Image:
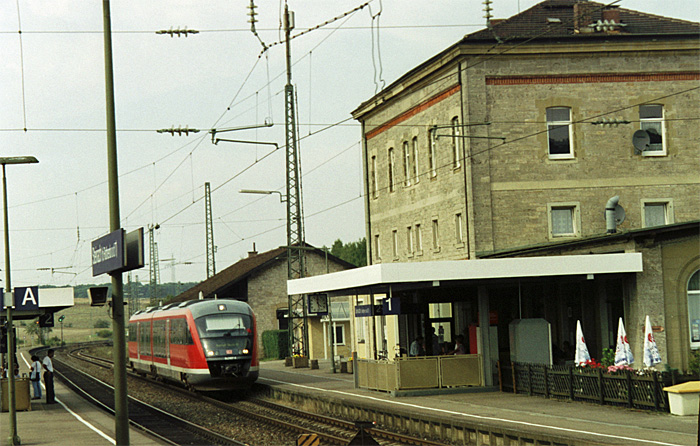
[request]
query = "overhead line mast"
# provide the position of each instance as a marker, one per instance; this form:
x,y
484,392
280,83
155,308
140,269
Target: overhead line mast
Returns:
x,y
298,326
211,263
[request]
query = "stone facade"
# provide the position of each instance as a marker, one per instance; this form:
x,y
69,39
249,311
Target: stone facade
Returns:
x,y
499,193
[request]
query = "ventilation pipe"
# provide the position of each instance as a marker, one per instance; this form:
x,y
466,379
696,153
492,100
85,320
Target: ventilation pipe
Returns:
x,y
610,214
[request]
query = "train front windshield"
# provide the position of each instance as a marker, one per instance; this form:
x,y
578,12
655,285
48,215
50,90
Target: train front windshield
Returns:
x,y
226,334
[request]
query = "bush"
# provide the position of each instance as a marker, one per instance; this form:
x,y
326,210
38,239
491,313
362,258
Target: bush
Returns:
x,y
694,363
275,344
608,358
104,334
101,323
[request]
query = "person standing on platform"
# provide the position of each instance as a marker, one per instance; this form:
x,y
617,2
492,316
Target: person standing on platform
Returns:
x,y
459,347
48,378
35,377
417,348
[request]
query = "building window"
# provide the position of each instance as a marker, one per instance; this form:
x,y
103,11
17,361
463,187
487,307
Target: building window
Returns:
x,y
651,119
395,243
694,309
375,186
377,248
656,213
456,143
559,132
436,234
564,220
432,144
338,334
459,232
416,178
392,185
419,239
409,240
406,164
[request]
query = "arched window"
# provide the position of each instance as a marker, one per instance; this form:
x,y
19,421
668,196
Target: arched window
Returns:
x,y
694,309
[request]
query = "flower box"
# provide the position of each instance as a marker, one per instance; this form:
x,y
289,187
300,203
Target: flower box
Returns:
x,y
299,362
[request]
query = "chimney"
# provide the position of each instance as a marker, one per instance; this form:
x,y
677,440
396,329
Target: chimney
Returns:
x,y
611,14
583,16
252,253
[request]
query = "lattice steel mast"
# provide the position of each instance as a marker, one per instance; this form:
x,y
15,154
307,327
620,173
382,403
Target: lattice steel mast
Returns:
x,y
154,270
298,332
211,263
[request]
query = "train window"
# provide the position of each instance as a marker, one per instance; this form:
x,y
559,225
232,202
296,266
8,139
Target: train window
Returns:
x,y
180,332
159,349
132,332
224,325
145,338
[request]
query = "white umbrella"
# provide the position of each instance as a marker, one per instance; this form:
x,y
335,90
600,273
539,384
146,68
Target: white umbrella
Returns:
x,y
581,350
623,352
651,352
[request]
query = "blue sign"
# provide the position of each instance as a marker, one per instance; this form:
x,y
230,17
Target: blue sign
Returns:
x,y
27,298
391,306
363,310
108,253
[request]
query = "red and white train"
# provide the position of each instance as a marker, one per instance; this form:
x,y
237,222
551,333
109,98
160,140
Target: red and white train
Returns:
x,y
203,344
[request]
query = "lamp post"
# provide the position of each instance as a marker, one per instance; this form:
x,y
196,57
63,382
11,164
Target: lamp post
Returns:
x,y
8,300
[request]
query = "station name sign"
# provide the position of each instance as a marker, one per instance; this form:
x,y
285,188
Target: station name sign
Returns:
x,y
108,253
117,252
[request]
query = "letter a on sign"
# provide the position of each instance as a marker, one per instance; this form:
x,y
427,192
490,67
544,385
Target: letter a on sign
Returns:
x,y
29,296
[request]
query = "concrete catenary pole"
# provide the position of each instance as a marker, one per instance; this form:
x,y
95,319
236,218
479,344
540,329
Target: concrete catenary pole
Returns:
x,y
121,418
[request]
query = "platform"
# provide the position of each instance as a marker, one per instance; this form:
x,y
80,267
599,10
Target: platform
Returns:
x,y
590,422
71,421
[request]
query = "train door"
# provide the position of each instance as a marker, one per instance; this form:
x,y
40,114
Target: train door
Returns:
x,y
167,341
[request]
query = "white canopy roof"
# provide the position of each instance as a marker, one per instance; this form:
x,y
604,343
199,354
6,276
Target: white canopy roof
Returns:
x,y
481,269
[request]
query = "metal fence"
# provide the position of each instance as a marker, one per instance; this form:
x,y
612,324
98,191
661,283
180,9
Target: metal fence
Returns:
x,y
622,388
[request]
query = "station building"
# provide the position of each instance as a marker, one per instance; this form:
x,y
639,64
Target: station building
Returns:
x,y
506,179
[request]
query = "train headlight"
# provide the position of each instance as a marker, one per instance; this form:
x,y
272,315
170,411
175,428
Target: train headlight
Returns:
x,y
210,353
245,351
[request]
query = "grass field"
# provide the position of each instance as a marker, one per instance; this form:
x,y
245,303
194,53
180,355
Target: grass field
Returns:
x,y
78,324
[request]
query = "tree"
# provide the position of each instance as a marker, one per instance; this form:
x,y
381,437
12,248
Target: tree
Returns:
x,y
353,252
33,329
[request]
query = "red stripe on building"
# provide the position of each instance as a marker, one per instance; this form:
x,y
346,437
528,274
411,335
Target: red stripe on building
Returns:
x,y
593,78
412,111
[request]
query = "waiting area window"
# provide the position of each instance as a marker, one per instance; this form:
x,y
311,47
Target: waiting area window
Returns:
x,y
559,133
651,119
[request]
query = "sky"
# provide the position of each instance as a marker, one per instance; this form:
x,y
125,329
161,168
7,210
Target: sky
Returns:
x,y
52,96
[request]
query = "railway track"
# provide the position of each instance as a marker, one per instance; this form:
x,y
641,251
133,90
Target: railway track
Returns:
x,y
330,431
163,425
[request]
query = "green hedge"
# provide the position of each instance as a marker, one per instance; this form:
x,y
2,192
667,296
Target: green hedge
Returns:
x,y
275,344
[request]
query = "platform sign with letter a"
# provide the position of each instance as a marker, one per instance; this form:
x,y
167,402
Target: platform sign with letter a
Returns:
x,y
27,298
308,440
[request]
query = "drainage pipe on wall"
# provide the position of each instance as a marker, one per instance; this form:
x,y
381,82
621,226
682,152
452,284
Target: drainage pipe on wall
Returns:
x,y
610,214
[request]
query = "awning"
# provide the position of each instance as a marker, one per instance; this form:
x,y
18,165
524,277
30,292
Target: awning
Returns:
x,y
460,270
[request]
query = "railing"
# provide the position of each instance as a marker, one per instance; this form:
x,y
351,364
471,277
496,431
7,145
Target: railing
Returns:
x,y
622,388
426,372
